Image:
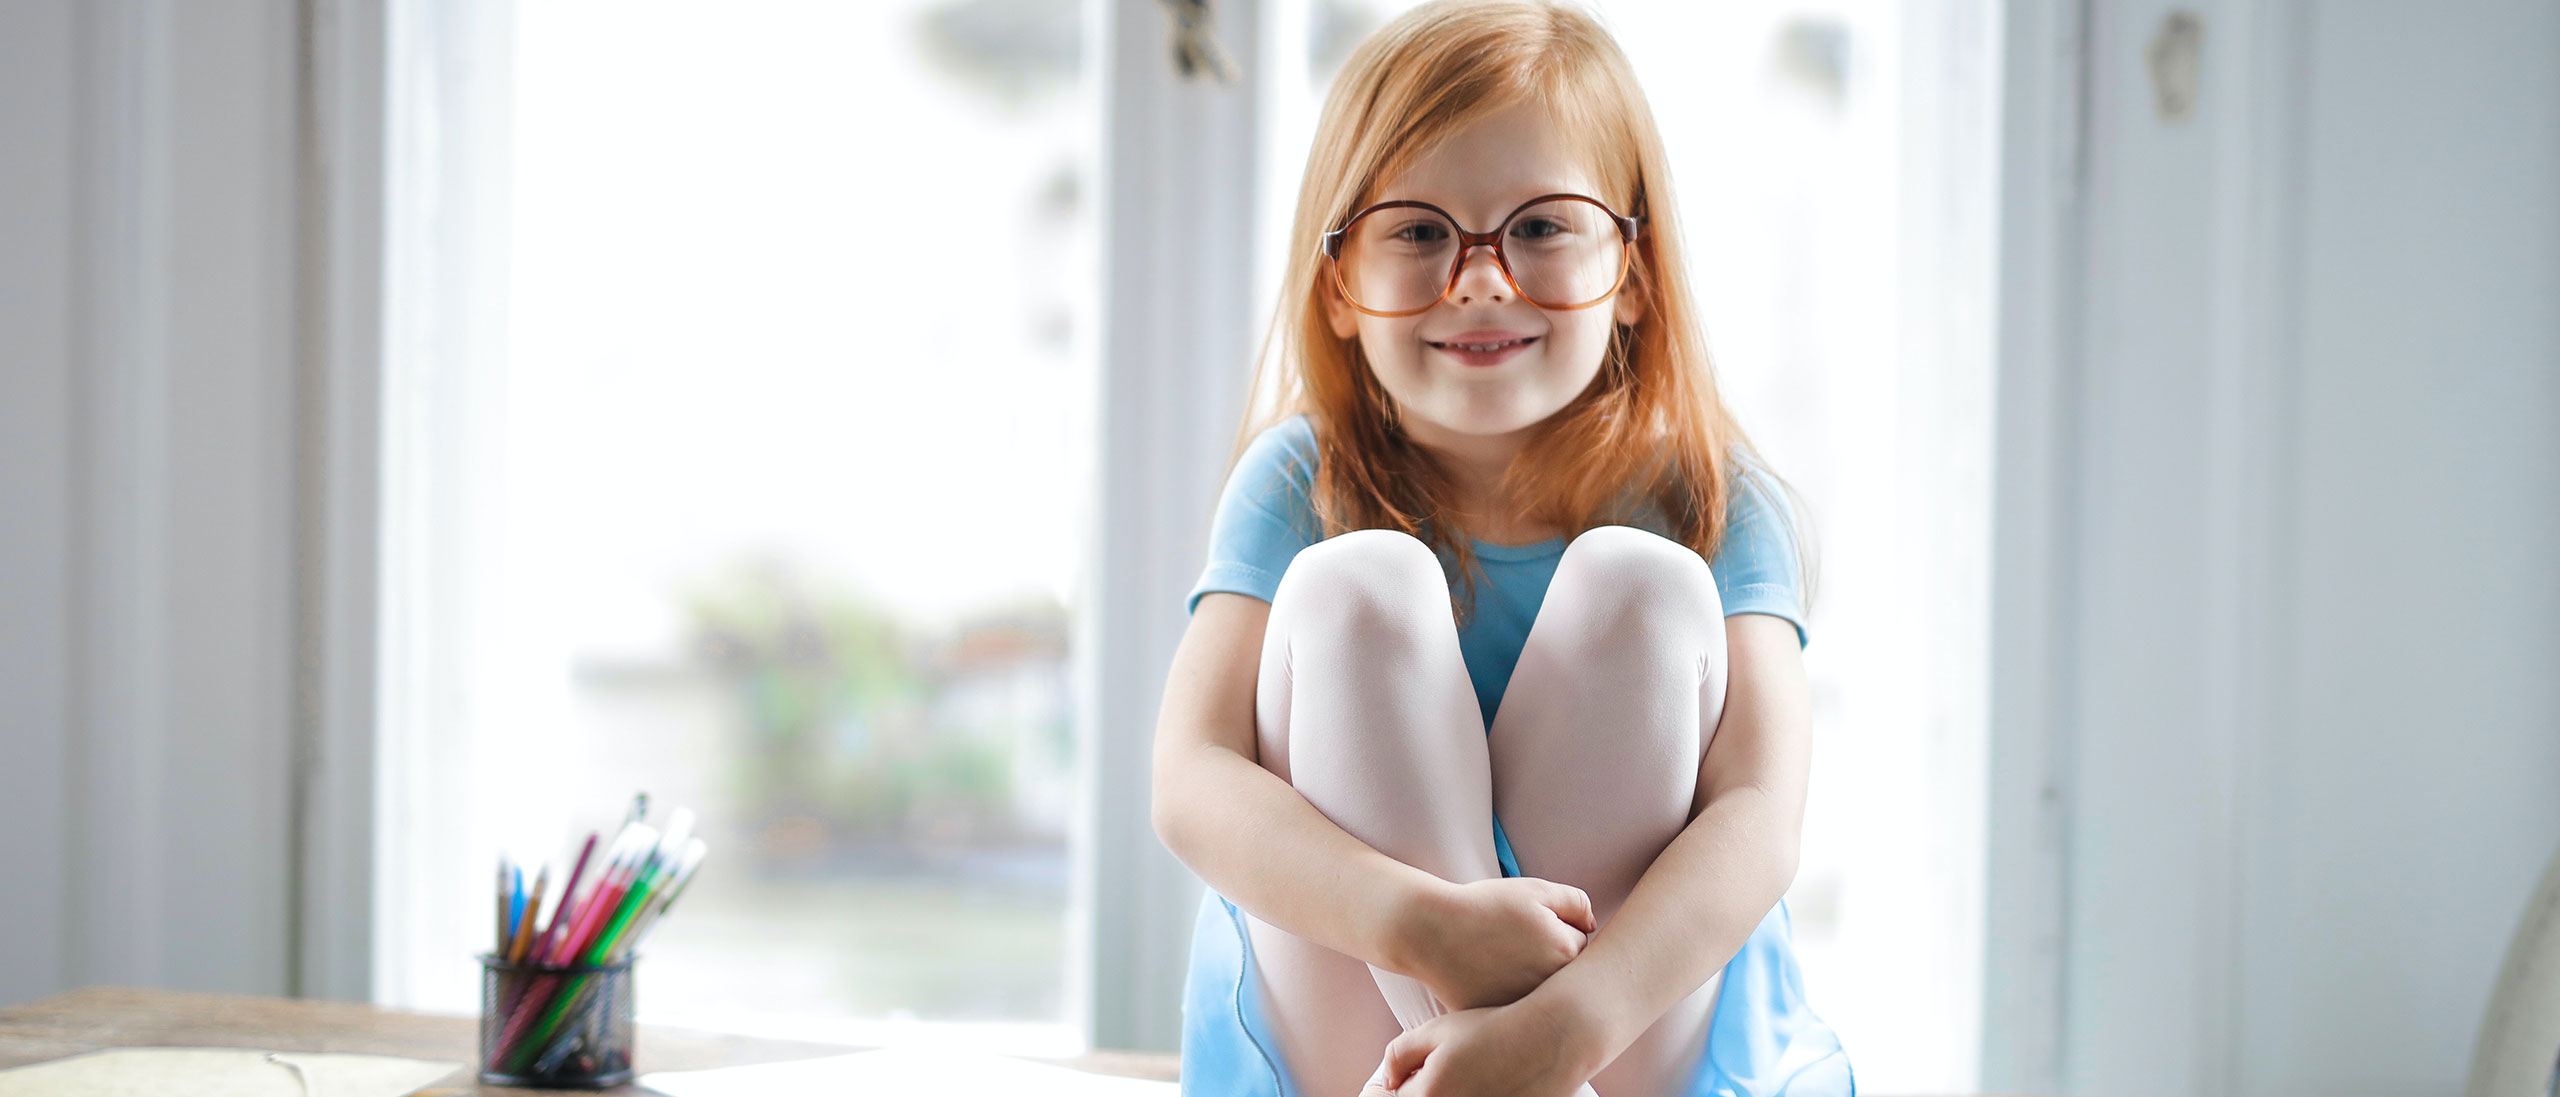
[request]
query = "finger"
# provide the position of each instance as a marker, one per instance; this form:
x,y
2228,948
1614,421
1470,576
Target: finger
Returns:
x,y
1405,1054
1378,1084
1573,905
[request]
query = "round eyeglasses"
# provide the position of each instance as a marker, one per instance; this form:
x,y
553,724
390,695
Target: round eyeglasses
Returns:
x,y
1557,251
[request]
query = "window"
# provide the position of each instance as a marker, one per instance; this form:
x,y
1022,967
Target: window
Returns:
x,y
774,450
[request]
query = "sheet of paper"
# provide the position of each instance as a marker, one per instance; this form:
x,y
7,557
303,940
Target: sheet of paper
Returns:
x,y
220,1072
904,1070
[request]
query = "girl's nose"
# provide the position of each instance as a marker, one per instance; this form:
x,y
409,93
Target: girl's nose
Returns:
x,y
1480,280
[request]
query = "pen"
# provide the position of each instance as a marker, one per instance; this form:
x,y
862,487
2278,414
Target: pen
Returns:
x,y
502,905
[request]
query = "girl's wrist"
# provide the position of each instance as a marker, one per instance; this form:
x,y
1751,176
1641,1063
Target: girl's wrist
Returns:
x,y
1414,906
1590,1014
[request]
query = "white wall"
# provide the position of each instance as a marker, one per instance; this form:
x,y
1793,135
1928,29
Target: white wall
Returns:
x,y
2286,544
150,441
2420,793
36,75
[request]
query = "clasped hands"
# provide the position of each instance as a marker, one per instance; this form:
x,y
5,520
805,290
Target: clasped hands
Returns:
x,y
1482,948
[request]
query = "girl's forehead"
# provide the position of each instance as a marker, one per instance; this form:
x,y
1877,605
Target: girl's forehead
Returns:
x,y
1492,164
1486,197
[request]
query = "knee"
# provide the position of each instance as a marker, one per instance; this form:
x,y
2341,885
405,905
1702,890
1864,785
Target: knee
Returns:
x,y
1370,584
1632,576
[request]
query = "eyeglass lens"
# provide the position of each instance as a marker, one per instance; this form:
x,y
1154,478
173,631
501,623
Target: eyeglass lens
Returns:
x,y
1562,253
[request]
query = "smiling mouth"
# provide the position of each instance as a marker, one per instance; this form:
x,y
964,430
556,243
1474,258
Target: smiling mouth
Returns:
x,y
1482,347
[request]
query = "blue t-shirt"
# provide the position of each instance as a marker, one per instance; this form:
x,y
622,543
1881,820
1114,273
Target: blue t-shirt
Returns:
x,y
1765,1041
1266,515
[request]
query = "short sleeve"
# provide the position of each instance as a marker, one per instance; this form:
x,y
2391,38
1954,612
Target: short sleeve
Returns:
x,y
1264,514
1757,568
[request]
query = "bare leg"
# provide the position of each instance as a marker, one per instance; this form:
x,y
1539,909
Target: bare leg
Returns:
x,y
1365,706
1597,744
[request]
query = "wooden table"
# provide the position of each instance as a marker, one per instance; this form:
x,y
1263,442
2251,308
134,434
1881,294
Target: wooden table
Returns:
x,y
97,1018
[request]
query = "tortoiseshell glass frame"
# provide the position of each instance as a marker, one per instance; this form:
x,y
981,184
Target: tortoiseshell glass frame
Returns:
x,y
1628,229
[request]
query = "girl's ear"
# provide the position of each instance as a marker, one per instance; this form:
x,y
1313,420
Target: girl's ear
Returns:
x,y
1629,306
1339,313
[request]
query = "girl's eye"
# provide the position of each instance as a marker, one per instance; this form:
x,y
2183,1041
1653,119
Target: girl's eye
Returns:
x,y
1422,232
1538,228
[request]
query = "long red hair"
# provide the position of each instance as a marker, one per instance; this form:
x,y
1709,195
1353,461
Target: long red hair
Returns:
x,y
1650,429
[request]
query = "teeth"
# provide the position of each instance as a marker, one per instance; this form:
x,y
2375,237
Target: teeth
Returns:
x,y
1483,346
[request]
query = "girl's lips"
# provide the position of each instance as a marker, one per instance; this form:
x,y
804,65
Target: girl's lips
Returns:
x,y
1483,352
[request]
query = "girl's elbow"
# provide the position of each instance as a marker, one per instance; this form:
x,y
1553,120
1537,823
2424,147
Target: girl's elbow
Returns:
x,y
1166,814
1790,860
1785,859
1160,815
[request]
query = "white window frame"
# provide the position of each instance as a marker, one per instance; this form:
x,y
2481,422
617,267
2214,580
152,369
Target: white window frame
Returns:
x,y
2026,859
1179,219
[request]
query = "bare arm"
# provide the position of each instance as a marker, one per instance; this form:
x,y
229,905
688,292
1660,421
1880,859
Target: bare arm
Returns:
x,y
1245,831
1709,889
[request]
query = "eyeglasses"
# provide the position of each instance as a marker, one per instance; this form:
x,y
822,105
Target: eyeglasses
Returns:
x,y
1557,251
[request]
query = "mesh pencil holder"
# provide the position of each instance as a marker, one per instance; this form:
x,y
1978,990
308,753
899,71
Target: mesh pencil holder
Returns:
x,y
566,1027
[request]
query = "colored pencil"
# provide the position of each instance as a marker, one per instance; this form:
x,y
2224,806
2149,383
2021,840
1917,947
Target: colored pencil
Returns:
x,y
605,906
614,950
516,907
571,888
524,922
595,947
608,894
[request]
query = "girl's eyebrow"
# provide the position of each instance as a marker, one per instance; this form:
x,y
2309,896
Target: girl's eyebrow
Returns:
x,y
1500,209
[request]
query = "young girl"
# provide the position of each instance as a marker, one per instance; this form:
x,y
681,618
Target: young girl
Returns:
x,y
1490,731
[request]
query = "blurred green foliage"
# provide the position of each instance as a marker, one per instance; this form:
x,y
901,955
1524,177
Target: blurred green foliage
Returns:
x,y
838,697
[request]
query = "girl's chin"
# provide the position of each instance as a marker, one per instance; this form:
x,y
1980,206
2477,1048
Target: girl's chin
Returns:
x,y
1483,402
1488,418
